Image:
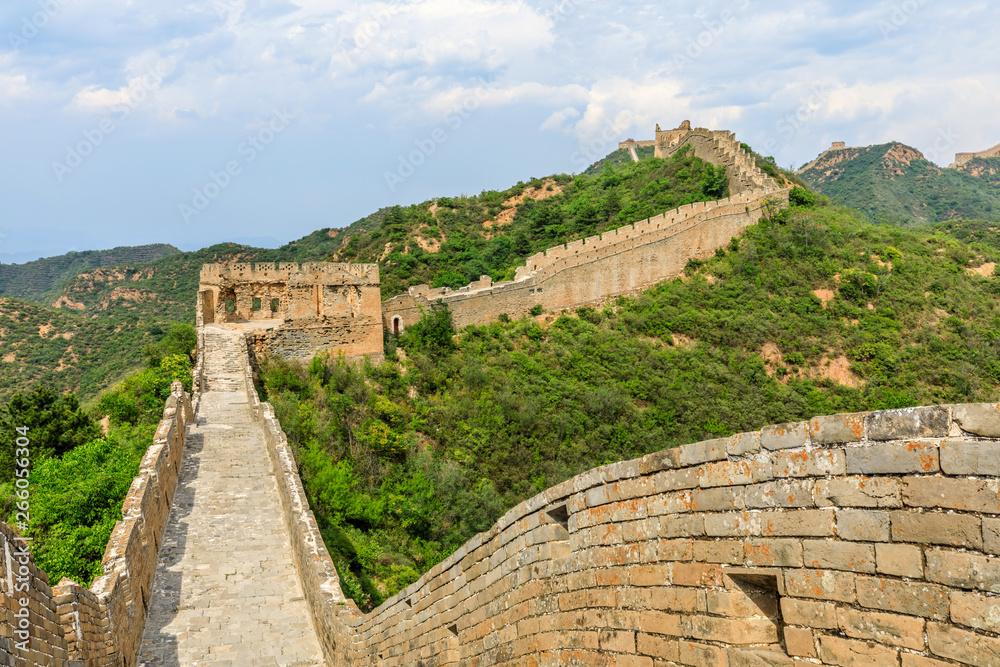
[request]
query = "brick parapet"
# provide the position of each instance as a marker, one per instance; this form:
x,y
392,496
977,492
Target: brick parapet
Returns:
x,y
102,626
964,158
871,536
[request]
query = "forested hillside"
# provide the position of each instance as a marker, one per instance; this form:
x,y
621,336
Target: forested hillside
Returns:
x,y
893,183
813,312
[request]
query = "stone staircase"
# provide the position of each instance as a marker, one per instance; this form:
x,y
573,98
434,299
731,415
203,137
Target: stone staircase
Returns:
x,y
226,591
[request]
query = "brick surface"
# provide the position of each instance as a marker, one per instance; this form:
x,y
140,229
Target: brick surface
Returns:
x,y
892,458
931,422
960,530
838,428
976,611
863,525
839,651
784,436
809,613
915,598
902,560
839,556
800,642
979,418
859,492
961,569
808,464
970,495
961,457
887,629
965,646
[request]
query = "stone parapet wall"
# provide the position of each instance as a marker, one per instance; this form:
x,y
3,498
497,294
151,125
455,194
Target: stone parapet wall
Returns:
x,y
290,272
102,626
963,158
591,270
857,539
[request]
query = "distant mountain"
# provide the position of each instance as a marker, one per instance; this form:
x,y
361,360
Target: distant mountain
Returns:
x,y
34,280
894,183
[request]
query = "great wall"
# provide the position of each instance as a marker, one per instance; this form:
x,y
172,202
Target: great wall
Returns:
x,y
859,539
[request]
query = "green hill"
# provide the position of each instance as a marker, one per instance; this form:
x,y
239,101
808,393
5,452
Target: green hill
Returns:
x,y
893,183
40,280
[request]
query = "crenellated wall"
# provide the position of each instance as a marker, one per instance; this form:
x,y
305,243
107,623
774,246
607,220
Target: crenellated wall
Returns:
x,y
858,539
101,626
635,256
963,158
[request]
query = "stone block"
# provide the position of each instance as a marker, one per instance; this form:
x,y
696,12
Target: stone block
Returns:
x,y
753,630
892,458
839,651
657,647
800,642
802,523
821,585
970,495
884,628
916,598
728,552
976,611
913,660
725,473
849,556
982,419
809,613
678,598
863,525
682,526
692,653
703,452
742,444
959,530
961,457
721,499
817,463
732,524
784,436
773,553
901,560
697,574
960,569
930,422
675,480
991,535
759,657
657,461
967,647
782,493
859,492
838,428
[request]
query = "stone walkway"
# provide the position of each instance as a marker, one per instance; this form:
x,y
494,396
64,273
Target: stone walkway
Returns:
x,y
226,592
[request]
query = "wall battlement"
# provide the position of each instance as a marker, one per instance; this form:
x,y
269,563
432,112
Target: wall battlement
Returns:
x,y
617,262
964,158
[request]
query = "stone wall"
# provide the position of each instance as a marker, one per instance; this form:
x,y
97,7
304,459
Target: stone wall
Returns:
x,y
100,626
963,158
632,257
596,268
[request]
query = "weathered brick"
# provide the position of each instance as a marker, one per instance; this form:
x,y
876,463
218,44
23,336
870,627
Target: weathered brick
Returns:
x,y
931,422
784,436
859,492
805,523
783,493
672,525
703,452
732,524
675,549
753,630
662,623
677,502
976,611
961,457
961,569
887,629
759,657
838,428
675,480
912,660
959,530
967,647
693,653
697,574
820,584
657,461
991,535
721,499
901,560
617,640
740,603
743,443
725,473
892,458
657,647
678,598
818,463
774,553
657,574
811,614
863,525
839,556
915,598
979,418
727,551
800,642
970,495
839,651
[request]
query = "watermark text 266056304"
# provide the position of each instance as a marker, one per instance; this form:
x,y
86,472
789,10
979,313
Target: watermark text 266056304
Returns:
x,y
22,517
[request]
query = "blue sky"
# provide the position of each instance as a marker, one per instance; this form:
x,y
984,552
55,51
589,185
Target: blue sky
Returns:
x,y
125,122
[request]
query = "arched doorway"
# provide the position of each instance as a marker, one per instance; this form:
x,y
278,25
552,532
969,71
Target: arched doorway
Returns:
x,y
397,325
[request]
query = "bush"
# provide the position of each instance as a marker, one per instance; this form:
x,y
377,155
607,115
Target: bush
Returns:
x,y
536,310
801,197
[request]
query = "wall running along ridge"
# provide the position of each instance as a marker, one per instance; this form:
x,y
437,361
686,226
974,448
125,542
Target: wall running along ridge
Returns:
x,y
101,626
858,539
963,158
632,257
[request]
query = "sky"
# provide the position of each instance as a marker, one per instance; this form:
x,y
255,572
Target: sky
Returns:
x,y
126,122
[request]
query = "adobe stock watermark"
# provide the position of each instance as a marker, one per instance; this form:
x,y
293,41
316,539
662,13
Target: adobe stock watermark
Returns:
x,y
369,29
426,147
900,16
794,122
697,45
945,140
94,137
21,554
248,150
32,25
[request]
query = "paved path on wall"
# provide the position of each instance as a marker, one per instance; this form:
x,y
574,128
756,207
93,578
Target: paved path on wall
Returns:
x,y
226,592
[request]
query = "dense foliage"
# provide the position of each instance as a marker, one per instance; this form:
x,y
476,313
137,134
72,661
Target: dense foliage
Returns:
x,y
812,312
79,476
893,183
473,236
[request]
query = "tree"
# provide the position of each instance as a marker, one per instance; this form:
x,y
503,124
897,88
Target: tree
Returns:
x,y
433,334
55,424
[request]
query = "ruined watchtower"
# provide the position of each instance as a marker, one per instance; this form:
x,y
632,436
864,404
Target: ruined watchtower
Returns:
x,y
295,310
